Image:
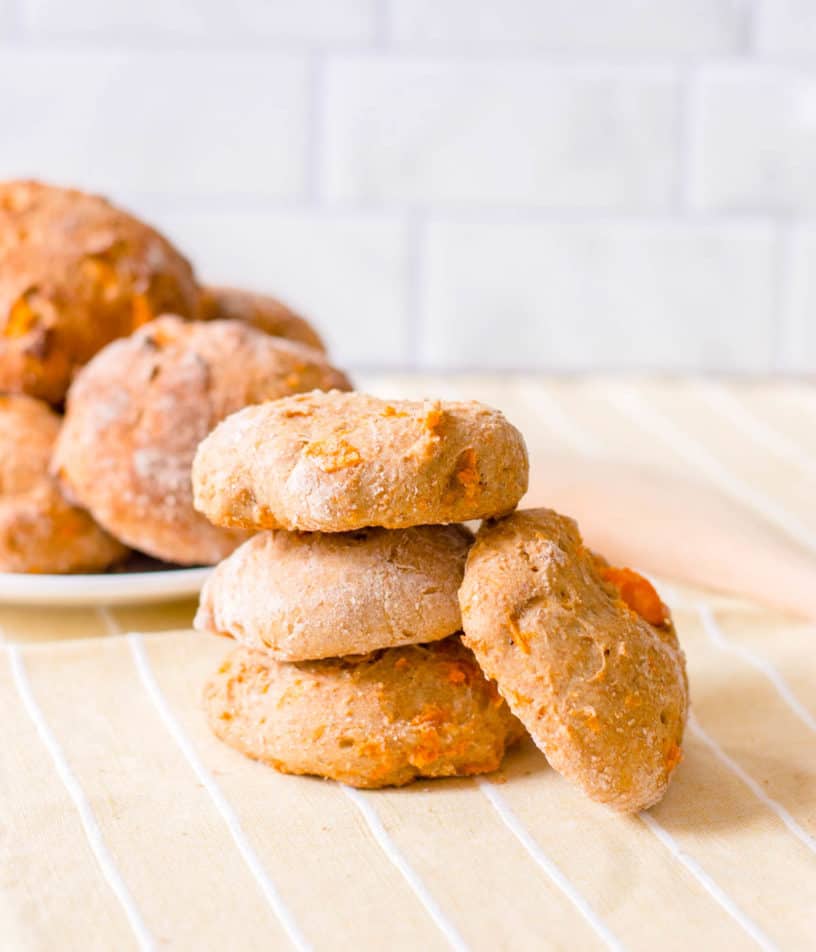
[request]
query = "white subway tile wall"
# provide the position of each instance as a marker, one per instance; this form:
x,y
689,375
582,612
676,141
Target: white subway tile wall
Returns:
x,y
565,185
678,295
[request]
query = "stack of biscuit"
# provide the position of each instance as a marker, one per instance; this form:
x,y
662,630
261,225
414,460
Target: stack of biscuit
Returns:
x,y
378,642
345,605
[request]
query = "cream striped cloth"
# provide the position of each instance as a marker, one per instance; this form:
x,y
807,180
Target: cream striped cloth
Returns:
x,y
125,825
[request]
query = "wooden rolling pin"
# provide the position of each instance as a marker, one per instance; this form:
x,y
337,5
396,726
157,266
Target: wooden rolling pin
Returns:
x,y
648,518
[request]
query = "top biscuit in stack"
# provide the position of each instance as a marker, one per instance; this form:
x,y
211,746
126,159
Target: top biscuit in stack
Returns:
x,y
336,462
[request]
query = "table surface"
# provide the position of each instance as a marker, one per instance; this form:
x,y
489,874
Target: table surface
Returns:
x,y
126,824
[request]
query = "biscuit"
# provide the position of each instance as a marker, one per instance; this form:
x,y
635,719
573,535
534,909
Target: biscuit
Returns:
x,y
266,313
601,689
39,530
137,411
335,462
376,720
304,596
76,273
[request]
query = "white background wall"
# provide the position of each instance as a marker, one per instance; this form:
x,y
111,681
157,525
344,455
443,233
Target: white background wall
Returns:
x,y
562,184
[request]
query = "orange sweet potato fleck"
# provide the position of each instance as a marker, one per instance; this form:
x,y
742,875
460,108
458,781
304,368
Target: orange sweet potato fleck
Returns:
x,y
431,714
520,638
21,319
468,474
673,757
638,593
457,674
333,454
142,311
433,419
590,717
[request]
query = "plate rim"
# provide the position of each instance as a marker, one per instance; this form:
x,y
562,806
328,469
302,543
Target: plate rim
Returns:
x,y
101,588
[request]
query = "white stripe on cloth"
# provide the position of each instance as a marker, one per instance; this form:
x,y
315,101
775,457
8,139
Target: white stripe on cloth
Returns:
x,y
96,841
660,426
517,828
222,805
801,834
715,633
414,881
728,406
715,891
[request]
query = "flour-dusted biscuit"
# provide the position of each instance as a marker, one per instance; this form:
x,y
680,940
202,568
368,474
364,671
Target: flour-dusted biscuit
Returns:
x,y
585,655
139,409
334,462
76,273
376,720
266,313
304,596
40,531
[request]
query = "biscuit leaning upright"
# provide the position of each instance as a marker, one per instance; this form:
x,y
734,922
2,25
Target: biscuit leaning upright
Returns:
x,y
350,664
586,656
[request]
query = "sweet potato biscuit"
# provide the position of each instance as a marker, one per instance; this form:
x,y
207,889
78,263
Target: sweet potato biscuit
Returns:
x,y
76,273
40,531
374,720
138,410
266,313
303,596
335,462
601,688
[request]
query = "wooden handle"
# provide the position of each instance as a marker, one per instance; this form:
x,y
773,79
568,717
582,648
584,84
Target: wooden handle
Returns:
x,y
677,528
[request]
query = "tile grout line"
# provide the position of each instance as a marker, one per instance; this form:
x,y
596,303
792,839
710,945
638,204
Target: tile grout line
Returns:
x,y
550,869
93,832
414,881
782,311
416,284
315,131
222,805
384,25
688,108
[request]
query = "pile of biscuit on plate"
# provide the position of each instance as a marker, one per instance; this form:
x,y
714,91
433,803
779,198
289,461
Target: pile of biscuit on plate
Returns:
x,y
114,364
378,640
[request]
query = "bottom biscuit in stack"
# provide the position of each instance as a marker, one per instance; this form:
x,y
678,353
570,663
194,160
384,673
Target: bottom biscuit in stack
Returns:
x,y
375,720
350,664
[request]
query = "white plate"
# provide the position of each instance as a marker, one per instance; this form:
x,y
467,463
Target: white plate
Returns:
x,y
114,588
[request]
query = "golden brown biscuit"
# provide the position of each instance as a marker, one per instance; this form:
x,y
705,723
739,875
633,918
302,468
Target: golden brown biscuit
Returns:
x,y
335,462
266,313
374,720
39,530
136,413
602,691
303,596
76,273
